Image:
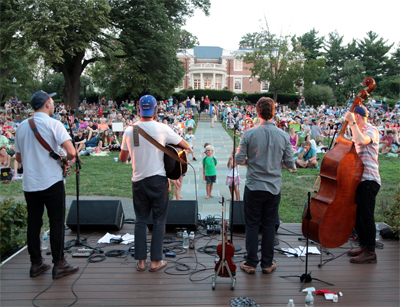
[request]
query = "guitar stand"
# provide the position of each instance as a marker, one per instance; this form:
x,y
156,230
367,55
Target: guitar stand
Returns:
x,y
223,263
306,277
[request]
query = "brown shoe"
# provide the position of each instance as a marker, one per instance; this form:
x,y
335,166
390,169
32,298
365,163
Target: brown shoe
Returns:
x,y
365,257
39,268
63,269
270,269
355,252
248,269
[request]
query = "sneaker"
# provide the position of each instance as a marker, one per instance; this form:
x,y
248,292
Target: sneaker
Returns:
x,y
194,159
248,269
63,269
355,252
270,269
365,257
37,269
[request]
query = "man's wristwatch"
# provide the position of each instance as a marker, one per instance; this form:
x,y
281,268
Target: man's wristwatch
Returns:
x,y
352,124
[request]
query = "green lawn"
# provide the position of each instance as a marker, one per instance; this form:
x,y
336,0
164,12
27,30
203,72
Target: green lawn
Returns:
x,y
104,177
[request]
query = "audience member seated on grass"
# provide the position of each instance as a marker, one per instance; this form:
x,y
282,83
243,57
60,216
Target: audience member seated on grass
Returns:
x,y
106,140
230,121
93,142
386,140
5,159
294,139
4,141
307,157
103,125
80,140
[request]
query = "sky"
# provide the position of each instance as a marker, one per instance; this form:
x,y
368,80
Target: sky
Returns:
x,y
229,20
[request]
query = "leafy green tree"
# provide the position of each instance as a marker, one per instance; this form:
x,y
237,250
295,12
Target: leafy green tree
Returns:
x,y
187,40
53,83
312,44
312,69
276,60
318,94
251,39
70,35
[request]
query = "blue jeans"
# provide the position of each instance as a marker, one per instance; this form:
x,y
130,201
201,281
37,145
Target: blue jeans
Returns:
x,y
260,207
365,222
54,200
150,194
92,142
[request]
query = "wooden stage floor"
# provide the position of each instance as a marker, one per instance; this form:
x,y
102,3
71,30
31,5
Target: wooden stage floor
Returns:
x,y
115,281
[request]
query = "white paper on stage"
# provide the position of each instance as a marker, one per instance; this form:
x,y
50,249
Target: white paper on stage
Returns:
x,y
301,251
117,127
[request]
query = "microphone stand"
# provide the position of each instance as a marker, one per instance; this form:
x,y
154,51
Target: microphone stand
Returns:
x,y
306,277
78,241
237,247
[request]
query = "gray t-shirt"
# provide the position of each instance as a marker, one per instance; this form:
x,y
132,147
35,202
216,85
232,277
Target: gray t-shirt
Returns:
x,y
265,147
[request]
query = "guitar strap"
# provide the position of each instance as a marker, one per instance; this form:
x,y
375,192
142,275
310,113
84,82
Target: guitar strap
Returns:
x,y
155,143
39,137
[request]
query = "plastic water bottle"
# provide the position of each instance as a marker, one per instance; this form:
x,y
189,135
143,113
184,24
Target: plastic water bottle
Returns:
x,y
291,304
191,240
335,297
45,239
309,299
185,240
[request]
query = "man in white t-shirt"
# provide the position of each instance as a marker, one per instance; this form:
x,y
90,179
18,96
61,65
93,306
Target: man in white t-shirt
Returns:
x,y
149,181
43,183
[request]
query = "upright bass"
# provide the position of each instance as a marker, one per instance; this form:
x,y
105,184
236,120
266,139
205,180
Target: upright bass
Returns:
x,y
333,208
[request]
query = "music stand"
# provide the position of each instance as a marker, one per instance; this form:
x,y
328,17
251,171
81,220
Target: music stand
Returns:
x,y
306,277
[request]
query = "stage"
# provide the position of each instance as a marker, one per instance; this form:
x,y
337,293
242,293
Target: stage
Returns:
x,y
115,281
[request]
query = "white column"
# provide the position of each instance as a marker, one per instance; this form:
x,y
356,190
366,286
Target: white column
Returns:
x,y
201,81
191,80
213,81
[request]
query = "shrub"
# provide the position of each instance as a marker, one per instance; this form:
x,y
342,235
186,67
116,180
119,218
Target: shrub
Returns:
x,y
13,223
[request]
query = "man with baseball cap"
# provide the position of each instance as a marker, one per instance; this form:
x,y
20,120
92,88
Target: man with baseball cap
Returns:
x,y
43,183
149,181
366,140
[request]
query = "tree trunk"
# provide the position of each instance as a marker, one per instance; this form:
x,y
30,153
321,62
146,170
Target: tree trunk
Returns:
x,y
275,95
72,69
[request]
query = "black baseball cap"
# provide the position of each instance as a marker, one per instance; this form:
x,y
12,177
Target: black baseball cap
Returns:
x,y
39,98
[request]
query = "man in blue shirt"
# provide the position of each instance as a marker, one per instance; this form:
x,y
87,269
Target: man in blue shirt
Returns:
x,y
307,157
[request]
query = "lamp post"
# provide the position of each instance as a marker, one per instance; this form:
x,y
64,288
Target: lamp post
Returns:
x,y
251,80
15,87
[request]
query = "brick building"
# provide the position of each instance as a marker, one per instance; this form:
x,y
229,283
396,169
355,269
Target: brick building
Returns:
x,y
217,68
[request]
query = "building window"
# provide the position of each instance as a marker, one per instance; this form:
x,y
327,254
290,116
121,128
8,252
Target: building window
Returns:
x,y
238,65
264,86
238,84
196,83
207,83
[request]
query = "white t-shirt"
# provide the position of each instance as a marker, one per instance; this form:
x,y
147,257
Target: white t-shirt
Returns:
x,y
40,170
147,160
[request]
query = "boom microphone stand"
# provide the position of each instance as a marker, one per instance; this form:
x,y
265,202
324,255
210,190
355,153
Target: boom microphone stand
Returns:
x,y
306,277
237,247
78,241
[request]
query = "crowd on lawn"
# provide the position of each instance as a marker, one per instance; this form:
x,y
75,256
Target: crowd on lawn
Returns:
x,y
93,130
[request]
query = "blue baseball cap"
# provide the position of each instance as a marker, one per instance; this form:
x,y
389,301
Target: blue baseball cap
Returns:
x,y
361,110
147,106
39,98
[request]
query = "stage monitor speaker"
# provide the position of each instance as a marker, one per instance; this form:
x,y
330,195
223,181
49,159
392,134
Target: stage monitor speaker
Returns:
x,y
239,224
96,214
181,214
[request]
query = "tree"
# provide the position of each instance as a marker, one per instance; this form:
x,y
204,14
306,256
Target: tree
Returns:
x,y
250,39
187,40
70,35
312,44
277,61
318,94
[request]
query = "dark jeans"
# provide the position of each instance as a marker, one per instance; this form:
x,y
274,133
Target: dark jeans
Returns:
x,y
150,194
92,142
260,207
365,223
54,200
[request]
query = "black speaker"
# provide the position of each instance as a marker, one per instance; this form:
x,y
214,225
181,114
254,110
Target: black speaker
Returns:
x,y
96,214
181,213
239,224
